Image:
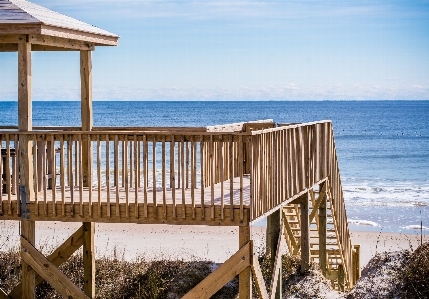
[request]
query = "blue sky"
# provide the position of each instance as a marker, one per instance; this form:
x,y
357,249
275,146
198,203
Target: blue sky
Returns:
x,y
241,50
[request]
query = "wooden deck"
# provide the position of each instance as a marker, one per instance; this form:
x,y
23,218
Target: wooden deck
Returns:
x,y
184,207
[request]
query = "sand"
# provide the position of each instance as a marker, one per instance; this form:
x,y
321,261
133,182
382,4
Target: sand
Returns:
x,y
131,241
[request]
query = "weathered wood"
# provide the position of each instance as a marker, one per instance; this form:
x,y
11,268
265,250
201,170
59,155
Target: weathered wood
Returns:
x,y
86,111
28,231
276,278
49,272
59,256
217,279
245,277
259,279
305,235
322,231
88,259
273,239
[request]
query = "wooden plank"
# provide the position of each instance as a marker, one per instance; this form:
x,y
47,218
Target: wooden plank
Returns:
x,y
107,175
273,239
322,194
240,172
203,158
88,259
212,181
182,160
222,275
259,279
137,176
53,172
79,160
99,173
58,257
28,231
125,174
155,205
59,42
173,174
164,183
146,173
231,174
305,235
276,278
245,276
221,174
62,175
116,169
193,173
49,272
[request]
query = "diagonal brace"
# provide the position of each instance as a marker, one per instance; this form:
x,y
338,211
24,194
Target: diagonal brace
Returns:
x,y
40,264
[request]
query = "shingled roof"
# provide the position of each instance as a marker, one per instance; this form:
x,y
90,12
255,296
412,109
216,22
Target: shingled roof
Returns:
x,y
23,17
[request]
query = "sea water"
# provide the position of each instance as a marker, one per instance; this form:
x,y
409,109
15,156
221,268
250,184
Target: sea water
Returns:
x,y
382,146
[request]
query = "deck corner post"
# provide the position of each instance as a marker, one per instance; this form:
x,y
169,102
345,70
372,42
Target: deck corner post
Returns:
x,y
322,233
245,276
305,234
272,239
88,259
356,263
86,111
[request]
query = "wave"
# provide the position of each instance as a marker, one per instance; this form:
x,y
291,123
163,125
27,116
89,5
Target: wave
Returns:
x,y
363,222
415,227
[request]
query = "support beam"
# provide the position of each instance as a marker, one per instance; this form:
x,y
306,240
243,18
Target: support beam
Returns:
x,y
245,277
89,259
305,234
273,234
28,233
236,264
49,272
341,278
59,256
356,263
86,112
25,124
322,230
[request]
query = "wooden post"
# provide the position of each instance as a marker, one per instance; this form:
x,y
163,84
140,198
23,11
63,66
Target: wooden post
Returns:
x,y
322,232
87,123
341,278
88,259
356,263
245,276
86,111
273,232
25,124
305,234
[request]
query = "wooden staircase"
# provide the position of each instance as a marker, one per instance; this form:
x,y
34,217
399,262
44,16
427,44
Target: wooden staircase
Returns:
x,y
334,269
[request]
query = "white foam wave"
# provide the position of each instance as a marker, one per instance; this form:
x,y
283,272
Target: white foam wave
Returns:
x,y
415,227
363,222
386,193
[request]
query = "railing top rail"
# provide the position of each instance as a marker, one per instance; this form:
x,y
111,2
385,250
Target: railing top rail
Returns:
x,y
289,126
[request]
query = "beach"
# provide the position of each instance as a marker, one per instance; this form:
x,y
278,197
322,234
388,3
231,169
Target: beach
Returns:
x,y
217,244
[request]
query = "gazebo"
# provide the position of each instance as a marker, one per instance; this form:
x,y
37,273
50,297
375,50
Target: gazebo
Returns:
x,y
26,27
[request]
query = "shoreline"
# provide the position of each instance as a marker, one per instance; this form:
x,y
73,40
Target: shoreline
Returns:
x,y
133,241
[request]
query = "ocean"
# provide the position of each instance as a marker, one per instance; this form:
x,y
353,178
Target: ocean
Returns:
x,y
382,146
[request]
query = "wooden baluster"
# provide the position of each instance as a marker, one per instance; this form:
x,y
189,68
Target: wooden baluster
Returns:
x,y
231,178
172,175
125,175
137,176
145,173
123,159
62,176
203,174
99,173
240,173
53,176
155,206
44,176
212,179
80,175
116,162
130,182
8,183
187,164
89,179
108,175
182,160
164,187
193,174
220,168
1,176
70,162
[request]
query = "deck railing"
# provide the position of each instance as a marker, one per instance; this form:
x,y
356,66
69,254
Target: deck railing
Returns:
x,y
173,170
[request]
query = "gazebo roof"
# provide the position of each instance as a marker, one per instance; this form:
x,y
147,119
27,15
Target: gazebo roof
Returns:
x,y
19,17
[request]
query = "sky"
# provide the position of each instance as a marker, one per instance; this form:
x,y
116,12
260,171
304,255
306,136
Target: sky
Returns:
x,y
240,50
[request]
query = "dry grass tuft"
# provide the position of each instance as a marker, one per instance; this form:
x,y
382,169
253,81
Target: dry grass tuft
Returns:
x,y
415,275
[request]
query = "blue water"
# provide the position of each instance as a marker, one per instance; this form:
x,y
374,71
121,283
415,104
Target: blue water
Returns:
x,y
382,146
